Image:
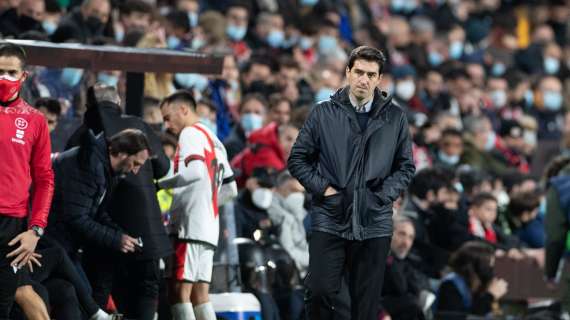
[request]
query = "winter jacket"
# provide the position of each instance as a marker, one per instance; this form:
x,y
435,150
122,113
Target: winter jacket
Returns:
x,y
556,221
369,168
83,182
134,205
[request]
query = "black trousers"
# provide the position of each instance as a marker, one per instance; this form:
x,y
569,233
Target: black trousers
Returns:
x,y
362,261
9,280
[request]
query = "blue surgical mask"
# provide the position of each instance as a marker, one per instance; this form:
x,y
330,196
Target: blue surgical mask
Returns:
x,y
197,43
275,38
210,124
435,58
119,35
305,43
108,79
236,33
251,122
49,26
410,6
309,3
192,80
449,160
173,42
327,44
499,98
398,5
71,76
552,100
490,143
551,65
193,19
323,94
498,69
455,50
528,98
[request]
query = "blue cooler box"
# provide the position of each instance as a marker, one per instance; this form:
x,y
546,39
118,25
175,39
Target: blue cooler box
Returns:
x,y
236,306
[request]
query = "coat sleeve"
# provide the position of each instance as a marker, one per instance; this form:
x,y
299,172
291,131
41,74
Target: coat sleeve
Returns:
x,y
159,161
42,177
305,154
80,197
556,225
403,167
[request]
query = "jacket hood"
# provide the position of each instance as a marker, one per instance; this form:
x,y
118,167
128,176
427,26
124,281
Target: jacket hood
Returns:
x,y
381,99
93,150
268,137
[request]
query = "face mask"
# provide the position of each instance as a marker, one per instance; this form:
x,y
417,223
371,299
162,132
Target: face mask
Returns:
x,y
499,98
405,89
9,86
450,160
529,137
323,94
309,3
295,200
435,59
173,42
210,124
498,69
552,100
275,38
251,122
455,50
290,42
49,27
193,19
108,79
261,198
490,143
529,98
551,65
192,80
236,33
305,43
398,5
71,76
94,24
198,43
119,36
410,6
327,44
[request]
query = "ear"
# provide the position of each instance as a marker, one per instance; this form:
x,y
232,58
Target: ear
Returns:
x,y
24,76
347,71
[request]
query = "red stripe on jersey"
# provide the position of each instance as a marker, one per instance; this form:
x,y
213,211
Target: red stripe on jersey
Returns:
x,y
181,248
213,168
192,158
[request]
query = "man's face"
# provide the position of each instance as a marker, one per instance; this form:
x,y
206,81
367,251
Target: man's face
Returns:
x,y
32,8
258,72
287,139
451,145
486,213
51,118
434,84
132,163
403,239
281,113
173,116
11,69
253,106
363,78
237,16
136,20
99,9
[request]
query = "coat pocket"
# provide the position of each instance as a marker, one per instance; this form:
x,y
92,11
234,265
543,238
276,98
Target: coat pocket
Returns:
x,y
332,206
376,207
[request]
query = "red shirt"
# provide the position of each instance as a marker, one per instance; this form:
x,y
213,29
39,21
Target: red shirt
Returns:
x,y
26,165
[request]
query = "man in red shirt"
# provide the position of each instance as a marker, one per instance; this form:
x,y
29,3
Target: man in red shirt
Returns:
x,y
25,148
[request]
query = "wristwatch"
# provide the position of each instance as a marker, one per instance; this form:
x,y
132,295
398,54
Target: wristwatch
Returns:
x,y
39,231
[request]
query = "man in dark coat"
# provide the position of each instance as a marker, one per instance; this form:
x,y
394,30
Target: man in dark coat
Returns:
x,y
84,23
84,180
134,207
354,155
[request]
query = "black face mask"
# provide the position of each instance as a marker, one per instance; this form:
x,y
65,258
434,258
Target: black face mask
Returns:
x,y
94,24
28,23
420,139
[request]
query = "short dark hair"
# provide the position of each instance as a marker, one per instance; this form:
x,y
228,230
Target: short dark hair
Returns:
x,y
368,54
131,6
8,49
470,260
523,202
129,141
451,132
51,105
254,96
179,19
181,96
481,198
430,179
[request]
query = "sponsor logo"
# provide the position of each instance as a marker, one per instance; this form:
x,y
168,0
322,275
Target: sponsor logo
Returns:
x,y
21,123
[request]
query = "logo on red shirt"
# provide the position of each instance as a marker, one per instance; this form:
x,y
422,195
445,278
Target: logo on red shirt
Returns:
x,y
21,123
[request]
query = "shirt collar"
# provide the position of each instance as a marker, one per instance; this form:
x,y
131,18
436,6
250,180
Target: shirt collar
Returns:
x,y
367,105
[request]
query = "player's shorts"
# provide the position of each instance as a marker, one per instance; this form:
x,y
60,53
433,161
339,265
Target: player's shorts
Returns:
x,y
193,261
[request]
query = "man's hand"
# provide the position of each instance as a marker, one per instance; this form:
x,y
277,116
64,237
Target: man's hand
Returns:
x,y
498,288
34,259
330,191
28,241
128,243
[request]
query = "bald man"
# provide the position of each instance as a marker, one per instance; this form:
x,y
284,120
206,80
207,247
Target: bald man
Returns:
x,y
24,17
84,23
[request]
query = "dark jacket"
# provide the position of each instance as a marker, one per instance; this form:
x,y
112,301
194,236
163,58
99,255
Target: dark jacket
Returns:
x,y
134,205
369,168
83,182
235,142
13,25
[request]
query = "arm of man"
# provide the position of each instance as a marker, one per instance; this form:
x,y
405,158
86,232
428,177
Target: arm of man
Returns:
x,y
305,154
42,177
228,190
403,167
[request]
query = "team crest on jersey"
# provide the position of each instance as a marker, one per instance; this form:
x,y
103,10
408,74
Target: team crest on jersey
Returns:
x,y
21,125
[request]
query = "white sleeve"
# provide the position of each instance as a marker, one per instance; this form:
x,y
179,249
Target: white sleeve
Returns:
x,y
228,190
194,171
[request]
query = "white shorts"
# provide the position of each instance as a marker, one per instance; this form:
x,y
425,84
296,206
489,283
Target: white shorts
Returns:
x,y
193,261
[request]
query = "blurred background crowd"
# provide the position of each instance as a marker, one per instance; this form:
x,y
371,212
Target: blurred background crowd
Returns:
x,y
485,84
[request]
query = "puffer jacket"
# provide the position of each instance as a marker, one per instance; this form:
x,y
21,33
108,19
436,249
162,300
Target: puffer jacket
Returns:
x,y
369,168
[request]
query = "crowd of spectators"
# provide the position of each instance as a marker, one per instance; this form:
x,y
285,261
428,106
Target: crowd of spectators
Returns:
x,y
485,85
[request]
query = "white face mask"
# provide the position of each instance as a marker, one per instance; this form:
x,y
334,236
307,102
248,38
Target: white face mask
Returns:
x,y
405,89
262,198
499,98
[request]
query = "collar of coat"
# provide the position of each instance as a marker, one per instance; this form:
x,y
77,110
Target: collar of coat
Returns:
x,y
380,102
